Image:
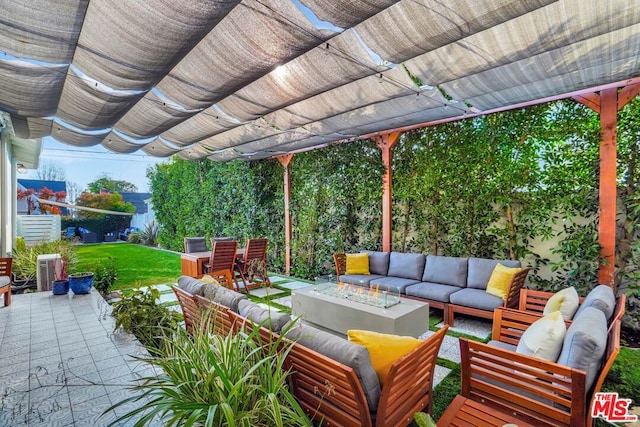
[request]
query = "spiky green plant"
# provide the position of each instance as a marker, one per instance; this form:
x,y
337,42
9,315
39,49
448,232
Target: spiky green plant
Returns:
x,y
213,380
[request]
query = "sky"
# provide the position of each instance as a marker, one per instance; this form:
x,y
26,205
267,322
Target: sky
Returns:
x,y
84,165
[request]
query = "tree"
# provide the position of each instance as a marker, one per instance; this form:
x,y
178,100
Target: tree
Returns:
x,y
104,200
104,183
50,172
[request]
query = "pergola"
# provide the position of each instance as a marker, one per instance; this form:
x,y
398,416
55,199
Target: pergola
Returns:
x,y
257,79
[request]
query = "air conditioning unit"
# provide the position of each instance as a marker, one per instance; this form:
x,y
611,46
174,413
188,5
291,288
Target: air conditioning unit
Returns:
x,y
45,272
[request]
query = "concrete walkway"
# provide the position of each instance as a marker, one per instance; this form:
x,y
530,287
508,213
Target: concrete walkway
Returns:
x,y
62,364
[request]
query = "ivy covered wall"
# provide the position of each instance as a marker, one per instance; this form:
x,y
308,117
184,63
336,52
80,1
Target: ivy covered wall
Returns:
x,y
496,186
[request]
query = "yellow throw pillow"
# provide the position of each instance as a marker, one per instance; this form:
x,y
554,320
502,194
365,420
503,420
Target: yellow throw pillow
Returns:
x,y
384,349
357,263
544,338
500,279
566,301
209,280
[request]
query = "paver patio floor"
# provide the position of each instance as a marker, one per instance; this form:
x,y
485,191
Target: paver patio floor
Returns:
x,y
62,363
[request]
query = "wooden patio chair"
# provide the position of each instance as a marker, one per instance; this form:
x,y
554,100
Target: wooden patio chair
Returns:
x,y
195,244
5,280
254,263
223,257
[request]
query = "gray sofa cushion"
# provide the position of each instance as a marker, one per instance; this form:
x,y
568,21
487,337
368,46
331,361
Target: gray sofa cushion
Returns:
x,y
432,291
378,262
271,318
446,270
585,343
359,279
600,297
408,266
502,345
191,285
476,298
480,269
228,298
343,351
393,284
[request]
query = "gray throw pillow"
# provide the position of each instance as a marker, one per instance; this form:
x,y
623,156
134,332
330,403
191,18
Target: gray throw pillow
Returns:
x,y
228,298
600,297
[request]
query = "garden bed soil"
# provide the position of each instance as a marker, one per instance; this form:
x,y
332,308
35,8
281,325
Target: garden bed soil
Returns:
x,y
630,337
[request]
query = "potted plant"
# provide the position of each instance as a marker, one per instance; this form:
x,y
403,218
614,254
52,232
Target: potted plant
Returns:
x,y
60,285
81,283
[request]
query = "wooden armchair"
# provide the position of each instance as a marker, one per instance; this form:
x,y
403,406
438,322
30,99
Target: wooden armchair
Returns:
x,y
500,386
253,263
5,280
223,257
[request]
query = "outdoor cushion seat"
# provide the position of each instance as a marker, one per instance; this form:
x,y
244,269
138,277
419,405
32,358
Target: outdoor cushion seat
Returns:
x,y
392,284
445,270
378,262
503,345
359,279
273,320
191,285
600,297
432,291
228,298
476,298
408,266
480,269
340,350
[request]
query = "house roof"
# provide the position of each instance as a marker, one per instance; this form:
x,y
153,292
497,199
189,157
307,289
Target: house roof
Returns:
x,y
39,184
137,200
256,78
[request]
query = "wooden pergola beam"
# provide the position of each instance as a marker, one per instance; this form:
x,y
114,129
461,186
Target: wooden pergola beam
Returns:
x,y
386,142
607,104
284,161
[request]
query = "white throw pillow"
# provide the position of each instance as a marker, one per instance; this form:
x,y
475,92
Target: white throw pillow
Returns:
x,y
566,301
544,337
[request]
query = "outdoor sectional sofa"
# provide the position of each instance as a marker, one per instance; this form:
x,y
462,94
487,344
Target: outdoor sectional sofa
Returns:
x,y
452,284
333,379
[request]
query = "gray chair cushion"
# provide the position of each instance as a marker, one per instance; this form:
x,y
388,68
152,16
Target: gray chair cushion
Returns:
x,y
408,266
378,262
585,343
446,270
191,285
228,298
271,318
502,345
480,269
359,279
4,281
195,244
432,291
343,351
393,284
209,291
476,298
600,297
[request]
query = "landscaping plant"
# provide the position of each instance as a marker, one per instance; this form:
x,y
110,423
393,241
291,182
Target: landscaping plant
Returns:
x,y
105,275
138,313
213,380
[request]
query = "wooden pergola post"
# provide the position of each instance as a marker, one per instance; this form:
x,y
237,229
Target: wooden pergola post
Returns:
x,y
607,104
386,142
284,161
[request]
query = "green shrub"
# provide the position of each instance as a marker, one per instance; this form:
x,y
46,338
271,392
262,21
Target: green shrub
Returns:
x,y
149,235
134,237
216,381
105,275
139,314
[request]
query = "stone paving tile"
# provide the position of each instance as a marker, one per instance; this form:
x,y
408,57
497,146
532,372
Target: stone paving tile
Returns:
x,y
295,285
440,373
480,328
167,298
264,292
286,301
278,279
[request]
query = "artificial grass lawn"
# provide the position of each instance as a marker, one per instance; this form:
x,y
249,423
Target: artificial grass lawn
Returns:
x,y
137,265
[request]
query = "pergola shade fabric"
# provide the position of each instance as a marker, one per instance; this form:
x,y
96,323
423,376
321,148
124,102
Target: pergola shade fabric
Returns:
x,y
254,79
